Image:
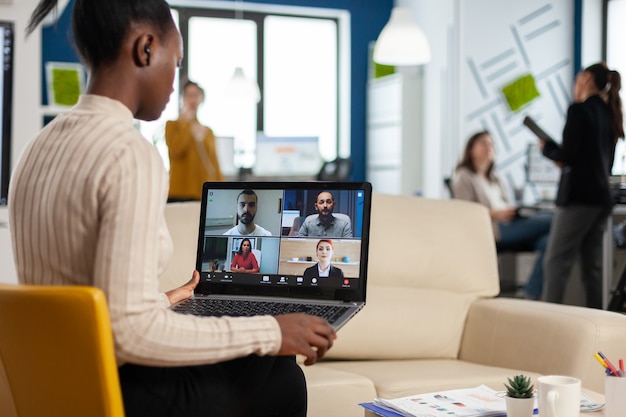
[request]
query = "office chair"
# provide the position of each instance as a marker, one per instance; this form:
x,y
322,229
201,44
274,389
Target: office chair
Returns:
x,y
447,182
338,169
56,350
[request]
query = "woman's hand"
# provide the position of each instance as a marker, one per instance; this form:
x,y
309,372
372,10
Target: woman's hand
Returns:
x,y
504,216
306,335
184,291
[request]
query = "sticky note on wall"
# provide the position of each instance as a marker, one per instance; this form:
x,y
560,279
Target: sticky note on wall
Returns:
x,y
65,83
520,92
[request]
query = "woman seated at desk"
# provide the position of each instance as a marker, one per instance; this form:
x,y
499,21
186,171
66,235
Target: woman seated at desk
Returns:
x,y
475,180
244,260
323,268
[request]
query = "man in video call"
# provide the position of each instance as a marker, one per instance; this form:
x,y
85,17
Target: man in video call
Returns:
x,y
324,223
246,210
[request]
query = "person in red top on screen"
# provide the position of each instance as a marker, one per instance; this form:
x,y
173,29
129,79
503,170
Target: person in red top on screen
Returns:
x,y
244,260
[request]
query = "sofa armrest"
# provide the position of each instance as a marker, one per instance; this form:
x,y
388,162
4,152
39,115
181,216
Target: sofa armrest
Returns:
x,y
543,337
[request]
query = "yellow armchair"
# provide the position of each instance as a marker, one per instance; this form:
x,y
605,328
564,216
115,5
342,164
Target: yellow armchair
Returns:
x,y
56,353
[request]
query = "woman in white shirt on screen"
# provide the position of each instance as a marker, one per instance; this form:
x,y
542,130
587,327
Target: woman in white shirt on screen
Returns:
x,y
323,269
475,180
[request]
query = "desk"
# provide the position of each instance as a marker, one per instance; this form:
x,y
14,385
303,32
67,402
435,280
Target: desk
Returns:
x,y
608,245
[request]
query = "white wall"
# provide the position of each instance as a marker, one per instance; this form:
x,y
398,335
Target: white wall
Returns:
x,y
438,19
26,103
459,30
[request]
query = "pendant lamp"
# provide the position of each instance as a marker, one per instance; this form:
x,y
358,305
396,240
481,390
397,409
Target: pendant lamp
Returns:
x,y
401,42
239,87
53,17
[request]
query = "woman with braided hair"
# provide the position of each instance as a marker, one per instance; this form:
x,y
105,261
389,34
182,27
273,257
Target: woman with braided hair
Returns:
x,y
594,124
88,208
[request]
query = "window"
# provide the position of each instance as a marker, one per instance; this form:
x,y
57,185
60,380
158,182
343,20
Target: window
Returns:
x,y
616,59
298,56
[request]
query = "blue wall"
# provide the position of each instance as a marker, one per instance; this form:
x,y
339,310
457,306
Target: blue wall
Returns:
x,y
367,20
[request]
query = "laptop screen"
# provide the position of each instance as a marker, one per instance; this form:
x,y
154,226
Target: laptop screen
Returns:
x,y
307,239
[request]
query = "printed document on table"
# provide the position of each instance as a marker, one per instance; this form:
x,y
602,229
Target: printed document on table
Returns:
x,y
480,401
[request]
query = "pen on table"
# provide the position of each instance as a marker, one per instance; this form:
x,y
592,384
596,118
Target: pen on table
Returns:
x,y
610,365
621,365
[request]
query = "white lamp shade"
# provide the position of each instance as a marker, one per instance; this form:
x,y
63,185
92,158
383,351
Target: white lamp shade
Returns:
x,y
55,14
401,42
239,87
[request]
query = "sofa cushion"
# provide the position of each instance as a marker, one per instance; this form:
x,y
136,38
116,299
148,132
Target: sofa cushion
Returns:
x,y
428,261
399,378
436,244
402,323
333,392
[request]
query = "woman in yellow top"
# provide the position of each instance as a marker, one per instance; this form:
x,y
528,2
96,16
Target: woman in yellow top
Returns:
x,y
192,150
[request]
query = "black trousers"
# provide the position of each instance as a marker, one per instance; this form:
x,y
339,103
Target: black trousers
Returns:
x,y
253,386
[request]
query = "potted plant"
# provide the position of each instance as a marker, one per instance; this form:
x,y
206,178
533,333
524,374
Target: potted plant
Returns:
x,y
520,401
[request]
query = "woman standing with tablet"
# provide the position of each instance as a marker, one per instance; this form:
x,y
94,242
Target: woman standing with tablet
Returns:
x,y
593,126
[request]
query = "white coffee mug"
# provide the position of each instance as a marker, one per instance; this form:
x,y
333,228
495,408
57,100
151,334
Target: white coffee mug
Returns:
x,y
558,396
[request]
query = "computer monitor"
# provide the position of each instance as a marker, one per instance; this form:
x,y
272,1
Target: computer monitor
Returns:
x,y
7,44
539,169
619,162
289,216
287,156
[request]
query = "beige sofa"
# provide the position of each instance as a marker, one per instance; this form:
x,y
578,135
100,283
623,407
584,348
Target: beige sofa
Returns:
x,y
432,319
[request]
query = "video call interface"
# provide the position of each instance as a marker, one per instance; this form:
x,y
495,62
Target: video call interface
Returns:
x,y
297,238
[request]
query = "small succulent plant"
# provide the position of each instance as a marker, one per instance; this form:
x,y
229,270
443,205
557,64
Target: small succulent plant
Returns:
x,y
519,387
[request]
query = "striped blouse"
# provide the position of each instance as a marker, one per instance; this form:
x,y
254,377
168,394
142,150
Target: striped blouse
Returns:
x,y
86,207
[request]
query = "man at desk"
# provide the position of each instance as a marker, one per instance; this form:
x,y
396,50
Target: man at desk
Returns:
x,y
246,211
324,223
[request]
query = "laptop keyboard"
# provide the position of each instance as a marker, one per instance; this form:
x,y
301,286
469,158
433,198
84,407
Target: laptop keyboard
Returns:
x,y
239,308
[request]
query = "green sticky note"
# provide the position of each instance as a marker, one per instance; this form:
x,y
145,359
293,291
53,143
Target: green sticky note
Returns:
x,y
520,92
65,86
381,70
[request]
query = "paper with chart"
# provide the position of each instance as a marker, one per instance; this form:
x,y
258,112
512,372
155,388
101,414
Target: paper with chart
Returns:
x,y
468,402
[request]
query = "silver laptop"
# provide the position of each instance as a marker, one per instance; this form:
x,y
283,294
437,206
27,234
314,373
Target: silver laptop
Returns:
x,y
275,248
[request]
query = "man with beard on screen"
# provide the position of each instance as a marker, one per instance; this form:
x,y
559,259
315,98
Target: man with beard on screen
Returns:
x,y
324,224
246,210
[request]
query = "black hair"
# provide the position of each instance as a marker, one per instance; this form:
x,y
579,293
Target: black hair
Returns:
x,y
609,82
248,192
99,26
190,83
240,251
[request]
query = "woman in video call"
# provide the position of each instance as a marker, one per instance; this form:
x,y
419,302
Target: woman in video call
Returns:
x,y
244,260
102,192
475,180
323,268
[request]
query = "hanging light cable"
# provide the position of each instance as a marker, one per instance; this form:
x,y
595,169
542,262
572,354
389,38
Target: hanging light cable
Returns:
x,y
401,42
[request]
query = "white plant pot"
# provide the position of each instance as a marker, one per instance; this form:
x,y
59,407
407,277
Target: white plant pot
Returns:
x,y
519,407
